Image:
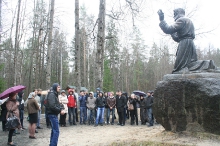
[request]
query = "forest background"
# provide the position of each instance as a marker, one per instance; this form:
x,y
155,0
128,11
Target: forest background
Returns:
x,y
113,44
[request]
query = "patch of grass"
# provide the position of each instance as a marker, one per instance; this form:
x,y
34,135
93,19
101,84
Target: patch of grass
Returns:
x,y
144,143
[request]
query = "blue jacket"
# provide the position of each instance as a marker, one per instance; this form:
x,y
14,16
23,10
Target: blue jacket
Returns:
x,y
82,100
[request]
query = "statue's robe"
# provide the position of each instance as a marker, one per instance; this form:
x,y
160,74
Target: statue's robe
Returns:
x,y
182,31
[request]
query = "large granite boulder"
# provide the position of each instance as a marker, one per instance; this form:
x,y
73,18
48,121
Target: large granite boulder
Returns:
x,y
188,102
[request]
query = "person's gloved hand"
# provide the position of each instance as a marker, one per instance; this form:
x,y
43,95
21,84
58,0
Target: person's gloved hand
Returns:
x,y
161,14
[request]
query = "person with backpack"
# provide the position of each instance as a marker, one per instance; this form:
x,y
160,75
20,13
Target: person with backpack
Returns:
x,y
72,103
53,109
44,98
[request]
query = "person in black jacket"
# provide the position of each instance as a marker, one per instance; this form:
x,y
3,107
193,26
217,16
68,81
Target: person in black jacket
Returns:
x,y
3,115
143,112
100,107
149,103
121,105
53,109
106,108
21,107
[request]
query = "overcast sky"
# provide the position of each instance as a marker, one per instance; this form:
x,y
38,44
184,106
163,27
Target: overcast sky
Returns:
x,y
205,18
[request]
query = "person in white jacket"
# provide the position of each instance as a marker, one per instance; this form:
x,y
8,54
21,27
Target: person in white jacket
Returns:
x,y
63,100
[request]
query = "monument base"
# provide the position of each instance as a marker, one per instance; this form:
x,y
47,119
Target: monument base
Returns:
x,y
188,102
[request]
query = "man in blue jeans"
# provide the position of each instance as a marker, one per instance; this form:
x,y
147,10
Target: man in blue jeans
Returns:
x,y
149,103
53,108
83,108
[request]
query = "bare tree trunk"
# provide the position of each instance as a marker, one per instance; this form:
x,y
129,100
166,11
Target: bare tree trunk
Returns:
x,y
0,23
77,47
61,66
50,30
1,58
100,45
37,59
16,43
84,56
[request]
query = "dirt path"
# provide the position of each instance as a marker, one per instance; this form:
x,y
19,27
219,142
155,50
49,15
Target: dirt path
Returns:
x,y
85,135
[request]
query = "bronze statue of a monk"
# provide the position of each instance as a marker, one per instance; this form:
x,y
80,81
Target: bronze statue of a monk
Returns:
x,y
182,31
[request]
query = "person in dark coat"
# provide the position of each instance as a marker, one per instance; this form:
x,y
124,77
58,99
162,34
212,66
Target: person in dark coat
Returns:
x,y
106,108
126,111
100,107
21,107
183,32
149,104
53,109
3,115
121,105
143,112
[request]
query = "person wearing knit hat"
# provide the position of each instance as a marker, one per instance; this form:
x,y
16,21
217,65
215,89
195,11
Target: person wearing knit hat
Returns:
x,y
53,109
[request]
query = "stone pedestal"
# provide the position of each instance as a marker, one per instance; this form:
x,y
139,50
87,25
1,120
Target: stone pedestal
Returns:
x,y
188,102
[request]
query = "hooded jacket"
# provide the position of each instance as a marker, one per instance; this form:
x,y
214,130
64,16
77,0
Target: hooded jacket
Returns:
x,y
82,100
100,102
72,102
91,102
53,107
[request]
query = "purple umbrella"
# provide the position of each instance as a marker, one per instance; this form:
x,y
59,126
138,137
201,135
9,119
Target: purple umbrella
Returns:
x,y
14,89
139,93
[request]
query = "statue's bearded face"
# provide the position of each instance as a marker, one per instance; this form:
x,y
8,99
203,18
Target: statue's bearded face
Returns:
x,y
178,13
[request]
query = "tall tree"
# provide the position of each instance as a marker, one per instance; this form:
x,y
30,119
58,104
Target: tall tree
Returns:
x,y
77,46
100,44
16,42
0,22
50,30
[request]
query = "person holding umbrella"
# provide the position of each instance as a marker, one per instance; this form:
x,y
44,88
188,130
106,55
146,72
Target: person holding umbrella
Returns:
x,y
12,105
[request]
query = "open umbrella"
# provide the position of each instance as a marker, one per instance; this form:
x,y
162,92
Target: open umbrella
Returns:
x,y
14,89
139,93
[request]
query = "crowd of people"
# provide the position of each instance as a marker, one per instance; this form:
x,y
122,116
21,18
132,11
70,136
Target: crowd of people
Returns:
x,y
96,109
100,108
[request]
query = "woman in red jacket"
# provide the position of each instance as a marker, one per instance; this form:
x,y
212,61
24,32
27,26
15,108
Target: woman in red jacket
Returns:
x,y
71,107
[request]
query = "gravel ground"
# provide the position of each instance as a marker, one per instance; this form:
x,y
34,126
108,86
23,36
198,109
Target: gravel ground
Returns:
x,y
88,135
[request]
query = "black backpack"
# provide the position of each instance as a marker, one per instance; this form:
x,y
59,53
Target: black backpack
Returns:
x,y
46,100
